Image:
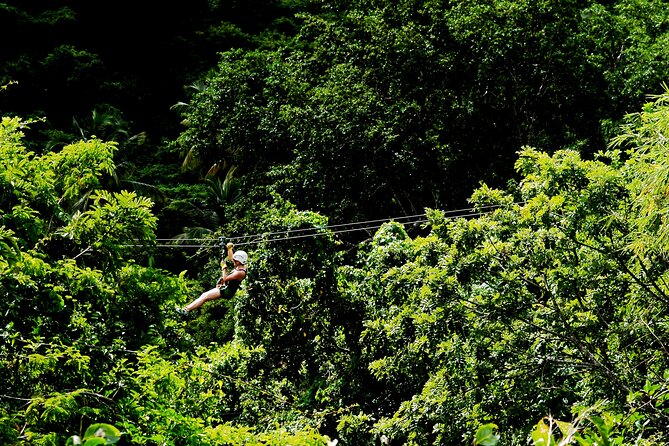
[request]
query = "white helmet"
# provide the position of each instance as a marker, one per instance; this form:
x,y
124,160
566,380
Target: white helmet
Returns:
x,y
241,257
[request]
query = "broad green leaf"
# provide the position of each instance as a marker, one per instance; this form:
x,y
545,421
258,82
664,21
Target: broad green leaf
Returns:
x,y
105,431
542,434
485,435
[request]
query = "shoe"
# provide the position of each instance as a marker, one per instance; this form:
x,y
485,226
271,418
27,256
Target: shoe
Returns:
x,y
184,313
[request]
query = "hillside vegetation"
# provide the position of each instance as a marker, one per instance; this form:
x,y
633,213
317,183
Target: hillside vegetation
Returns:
x,y
455,213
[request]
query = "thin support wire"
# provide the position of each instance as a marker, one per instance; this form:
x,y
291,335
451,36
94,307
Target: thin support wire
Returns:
x,y
293,234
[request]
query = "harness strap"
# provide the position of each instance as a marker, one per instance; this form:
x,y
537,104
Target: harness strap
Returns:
x,y
225,284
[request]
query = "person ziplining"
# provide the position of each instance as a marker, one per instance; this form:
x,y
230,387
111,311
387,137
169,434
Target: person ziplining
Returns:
x,y
227,285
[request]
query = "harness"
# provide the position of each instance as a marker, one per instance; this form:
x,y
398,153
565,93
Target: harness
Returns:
x,y
223,285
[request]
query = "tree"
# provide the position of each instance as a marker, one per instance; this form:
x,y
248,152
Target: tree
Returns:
x,y
538,305
400,106
75,295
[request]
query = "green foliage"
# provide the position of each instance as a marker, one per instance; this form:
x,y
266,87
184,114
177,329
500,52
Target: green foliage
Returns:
x,y
189,399
96,434
87,162
291,306
397,106
65,67
24,185
9,248
68,318
485,435
531,308
643,138
8,422
114,219
230,435
550,300
591,426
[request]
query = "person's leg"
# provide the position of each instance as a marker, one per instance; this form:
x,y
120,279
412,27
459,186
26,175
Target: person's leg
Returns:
x,y
212,294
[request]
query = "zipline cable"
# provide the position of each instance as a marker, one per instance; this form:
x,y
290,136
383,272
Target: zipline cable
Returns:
x,y
266,234
289,234
317,234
